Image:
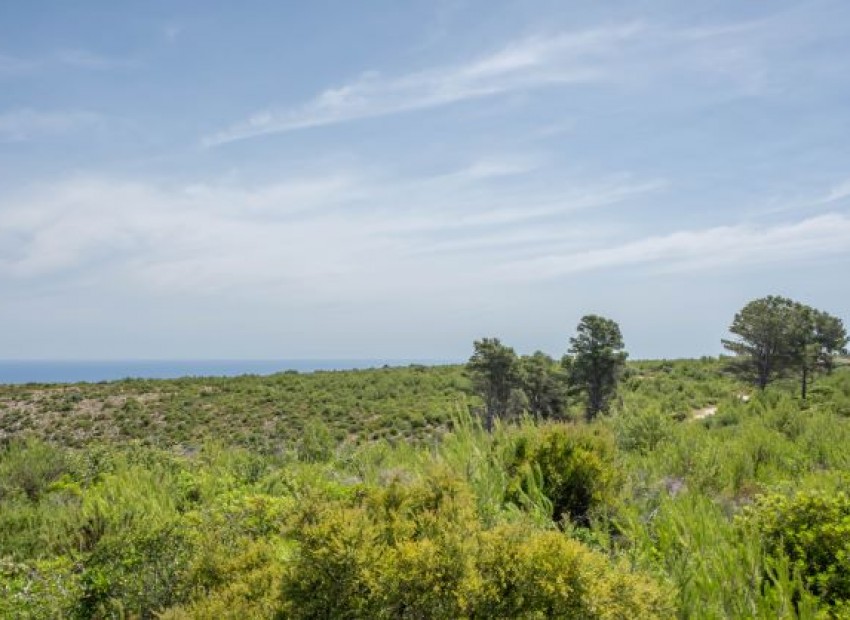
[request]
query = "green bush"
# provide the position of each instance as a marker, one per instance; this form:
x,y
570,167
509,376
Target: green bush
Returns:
x,y
642,430
436,520
29,468
813,530
419,551
547,575
574,466
42,589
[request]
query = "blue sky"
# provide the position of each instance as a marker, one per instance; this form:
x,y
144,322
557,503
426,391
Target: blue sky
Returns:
x,y
396,179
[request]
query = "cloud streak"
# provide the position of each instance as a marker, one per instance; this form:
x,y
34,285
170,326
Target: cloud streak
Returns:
x,y
346,236
15,66
339,234
531,63
85,59
631,52
691,250
27,124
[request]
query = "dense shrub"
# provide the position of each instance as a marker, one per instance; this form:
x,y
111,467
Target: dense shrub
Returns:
x,y
43,589
29,468
642,430
574,466
419,551
813,530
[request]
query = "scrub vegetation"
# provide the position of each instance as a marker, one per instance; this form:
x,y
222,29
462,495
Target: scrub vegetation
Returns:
x,y
382,493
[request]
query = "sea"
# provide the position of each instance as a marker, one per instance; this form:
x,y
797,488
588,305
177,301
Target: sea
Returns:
x,y
65,371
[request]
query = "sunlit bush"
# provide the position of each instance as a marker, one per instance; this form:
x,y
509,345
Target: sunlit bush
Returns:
x,y
813,530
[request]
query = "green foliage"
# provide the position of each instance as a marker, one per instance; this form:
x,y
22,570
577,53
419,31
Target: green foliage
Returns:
x,y
777,334
265,414
649,512
29,468
317,443
573,466
718,570
495,375
544,384
419,551
596,360
813,530
246,584
642,430
41,589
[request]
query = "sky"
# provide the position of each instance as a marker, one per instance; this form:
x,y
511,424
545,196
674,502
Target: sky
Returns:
x,y
389,179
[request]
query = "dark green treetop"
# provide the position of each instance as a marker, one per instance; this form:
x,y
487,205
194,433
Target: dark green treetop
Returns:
x,y
494,369
596,358
544,383
776,334
763,328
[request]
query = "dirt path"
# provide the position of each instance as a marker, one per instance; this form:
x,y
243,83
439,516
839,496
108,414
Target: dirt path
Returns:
x,y
705,412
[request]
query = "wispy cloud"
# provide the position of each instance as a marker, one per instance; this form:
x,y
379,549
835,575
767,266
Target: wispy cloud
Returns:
x,y
621,53
26,124
529,63
738,245
341,235
86,59
836,193
172,32
807,200
12,65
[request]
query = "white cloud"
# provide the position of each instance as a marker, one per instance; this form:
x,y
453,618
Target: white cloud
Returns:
x,y
628,53
530,63
837,192
738,245
172,32
86,59
333,236
11,65
25,124
807,199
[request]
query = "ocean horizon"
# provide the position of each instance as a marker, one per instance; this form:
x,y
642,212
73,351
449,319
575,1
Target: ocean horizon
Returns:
x,y
17,372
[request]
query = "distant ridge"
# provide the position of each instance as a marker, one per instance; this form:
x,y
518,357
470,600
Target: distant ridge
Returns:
x,y
93,371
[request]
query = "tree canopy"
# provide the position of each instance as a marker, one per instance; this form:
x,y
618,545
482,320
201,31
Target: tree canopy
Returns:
x,y
495,373
544,384
537,384
510,384
776,334
596,359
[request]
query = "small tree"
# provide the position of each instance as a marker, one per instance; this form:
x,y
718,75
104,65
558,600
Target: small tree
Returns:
x,y
595,360
777,334
763,328
816,337
831,338
494,370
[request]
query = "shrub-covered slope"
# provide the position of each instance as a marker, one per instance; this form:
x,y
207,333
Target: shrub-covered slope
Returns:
x,y
270,413
263,413
651,511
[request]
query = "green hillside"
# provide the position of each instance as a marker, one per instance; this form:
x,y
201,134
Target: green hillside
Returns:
x,y
264,413
377,494
270,413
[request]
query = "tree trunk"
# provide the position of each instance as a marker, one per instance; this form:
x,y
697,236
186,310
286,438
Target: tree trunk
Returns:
x,y
804,382
763,376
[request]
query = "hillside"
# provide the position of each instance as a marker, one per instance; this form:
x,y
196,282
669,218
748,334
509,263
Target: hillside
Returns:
x,y
270,413
328,495
264,413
